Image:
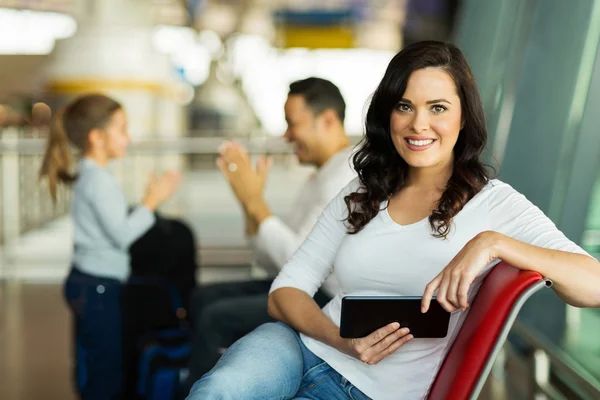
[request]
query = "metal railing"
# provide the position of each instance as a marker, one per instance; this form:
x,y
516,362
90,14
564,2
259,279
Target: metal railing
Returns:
x,y
25,201
181,145
26,205
538,372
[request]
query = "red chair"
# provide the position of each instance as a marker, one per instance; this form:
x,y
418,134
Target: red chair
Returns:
x,y
493,312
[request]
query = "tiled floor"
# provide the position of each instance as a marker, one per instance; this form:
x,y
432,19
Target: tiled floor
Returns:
x,y
34,343
35,338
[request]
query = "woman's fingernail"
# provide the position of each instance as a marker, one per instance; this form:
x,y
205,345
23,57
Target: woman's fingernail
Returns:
x,y
395,325
404,331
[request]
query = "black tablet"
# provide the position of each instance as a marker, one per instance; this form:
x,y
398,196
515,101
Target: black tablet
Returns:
x,y
363,315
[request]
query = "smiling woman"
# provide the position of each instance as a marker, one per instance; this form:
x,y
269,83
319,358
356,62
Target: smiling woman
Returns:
x,y
420,125
427,100
422,217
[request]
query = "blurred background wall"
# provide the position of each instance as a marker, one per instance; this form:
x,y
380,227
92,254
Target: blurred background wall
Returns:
x,y
191,73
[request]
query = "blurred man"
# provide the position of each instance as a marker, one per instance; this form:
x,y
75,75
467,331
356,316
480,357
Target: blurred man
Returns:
x,y
223,313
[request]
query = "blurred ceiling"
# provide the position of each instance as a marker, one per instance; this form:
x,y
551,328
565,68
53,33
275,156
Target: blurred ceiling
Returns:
x,y
19,74
40,5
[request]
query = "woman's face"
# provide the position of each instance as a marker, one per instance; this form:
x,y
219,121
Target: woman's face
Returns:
x,y
425,124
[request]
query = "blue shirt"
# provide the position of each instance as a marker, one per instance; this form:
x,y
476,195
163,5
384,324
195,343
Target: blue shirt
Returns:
x,y
103,229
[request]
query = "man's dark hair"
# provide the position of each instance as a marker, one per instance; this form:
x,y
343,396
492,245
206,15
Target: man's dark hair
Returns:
x,y
320,95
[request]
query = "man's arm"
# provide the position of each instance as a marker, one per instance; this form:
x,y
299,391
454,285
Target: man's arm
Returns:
x,y
277,242
274,243
251,226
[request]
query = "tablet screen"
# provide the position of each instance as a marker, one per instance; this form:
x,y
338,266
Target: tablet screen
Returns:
x,y
363,315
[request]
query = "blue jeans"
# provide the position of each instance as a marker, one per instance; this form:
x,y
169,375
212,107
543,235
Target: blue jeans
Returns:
x,y
95,303
272,363
223,313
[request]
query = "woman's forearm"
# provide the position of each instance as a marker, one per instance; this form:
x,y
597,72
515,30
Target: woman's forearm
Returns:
x,y
576,277
297,309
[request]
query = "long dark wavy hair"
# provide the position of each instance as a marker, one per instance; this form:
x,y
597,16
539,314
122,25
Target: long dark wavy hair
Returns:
x,y
381,170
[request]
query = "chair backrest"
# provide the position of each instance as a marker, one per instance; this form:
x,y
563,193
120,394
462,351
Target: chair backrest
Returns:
x,y
492,313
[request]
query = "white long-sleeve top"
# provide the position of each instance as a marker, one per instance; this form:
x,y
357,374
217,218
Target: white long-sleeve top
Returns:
x,y
386,258
277,239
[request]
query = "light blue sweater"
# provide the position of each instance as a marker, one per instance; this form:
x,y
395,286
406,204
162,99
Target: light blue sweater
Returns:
x,y
103,229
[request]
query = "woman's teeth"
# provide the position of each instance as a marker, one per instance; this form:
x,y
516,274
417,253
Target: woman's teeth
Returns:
x,y
419,142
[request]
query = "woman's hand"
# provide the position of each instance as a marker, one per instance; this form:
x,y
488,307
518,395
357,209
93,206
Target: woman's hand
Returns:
x,y
378,345
455,280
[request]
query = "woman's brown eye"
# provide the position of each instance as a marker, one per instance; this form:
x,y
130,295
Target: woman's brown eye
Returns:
x,y
403,107
438,109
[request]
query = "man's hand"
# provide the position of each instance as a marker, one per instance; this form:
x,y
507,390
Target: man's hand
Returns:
x,y
247,183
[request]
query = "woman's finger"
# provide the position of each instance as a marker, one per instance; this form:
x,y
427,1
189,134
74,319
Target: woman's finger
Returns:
x,y
429,291
442,296
386,342
463,292
381,333
452,293
399,342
